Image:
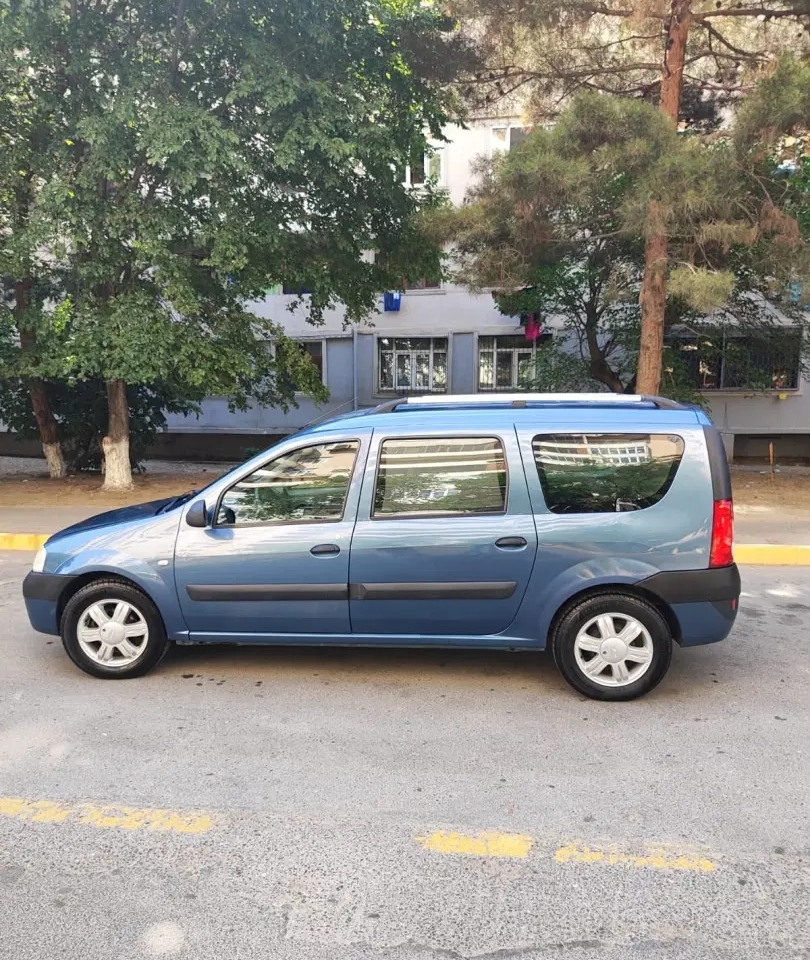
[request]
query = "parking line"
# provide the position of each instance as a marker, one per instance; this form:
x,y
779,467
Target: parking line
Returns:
x,y
486,844
106,816
657,858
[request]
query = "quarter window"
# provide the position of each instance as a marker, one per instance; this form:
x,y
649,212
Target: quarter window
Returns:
x,y
605,473
412,363
308,484
440,477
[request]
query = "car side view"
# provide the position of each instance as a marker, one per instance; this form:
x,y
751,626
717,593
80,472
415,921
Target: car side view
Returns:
x,y
599,526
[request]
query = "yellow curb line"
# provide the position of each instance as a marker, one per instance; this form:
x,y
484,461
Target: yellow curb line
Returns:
x,y
772,554
22,541
753,554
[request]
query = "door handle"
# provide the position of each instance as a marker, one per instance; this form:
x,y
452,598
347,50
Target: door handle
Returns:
x,y
511,543
325,549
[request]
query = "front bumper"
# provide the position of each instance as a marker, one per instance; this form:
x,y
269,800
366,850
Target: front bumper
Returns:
x,y
42,592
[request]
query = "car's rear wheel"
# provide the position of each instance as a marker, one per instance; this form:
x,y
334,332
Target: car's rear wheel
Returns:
x,y
112,630
612,647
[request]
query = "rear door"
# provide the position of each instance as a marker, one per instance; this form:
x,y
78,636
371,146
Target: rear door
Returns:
x,y
445,540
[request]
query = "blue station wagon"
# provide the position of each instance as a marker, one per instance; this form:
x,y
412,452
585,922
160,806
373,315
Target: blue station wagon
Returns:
x,y
599,526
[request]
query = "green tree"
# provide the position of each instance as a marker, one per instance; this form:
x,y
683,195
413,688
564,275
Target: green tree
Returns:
x,y
654,50
558,224
164,166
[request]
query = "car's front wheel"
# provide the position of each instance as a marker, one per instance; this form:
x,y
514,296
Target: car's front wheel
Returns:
x,y
613,646
112,630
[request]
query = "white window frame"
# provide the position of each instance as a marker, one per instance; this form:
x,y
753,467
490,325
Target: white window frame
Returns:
x,y
430,156
380,390
494,146
531,346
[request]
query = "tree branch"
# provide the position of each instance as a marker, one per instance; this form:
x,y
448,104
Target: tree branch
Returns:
x,y
750,12
178,29
729,46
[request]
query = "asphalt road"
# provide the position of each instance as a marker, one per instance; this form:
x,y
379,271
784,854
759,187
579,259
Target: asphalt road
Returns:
x,y
339,805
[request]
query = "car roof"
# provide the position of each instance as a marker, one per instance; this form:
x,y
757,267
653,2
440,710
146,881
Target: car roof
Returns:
x,y
569,411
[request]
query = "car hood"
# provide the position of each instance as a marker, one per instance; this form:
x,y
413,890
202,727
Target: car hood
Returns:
x,y
123,515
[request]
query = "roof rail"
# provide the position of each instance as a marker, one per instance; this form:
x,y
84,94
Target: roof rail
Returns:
x,y
524,399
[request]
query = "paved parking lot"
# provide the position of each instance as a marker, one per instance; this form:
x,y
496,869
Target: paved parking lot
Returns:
x,y
265,803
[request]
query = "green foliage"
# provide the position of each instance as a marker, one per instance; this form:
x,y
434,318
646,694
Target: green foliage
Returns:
x,y
548,50
154,184
558,226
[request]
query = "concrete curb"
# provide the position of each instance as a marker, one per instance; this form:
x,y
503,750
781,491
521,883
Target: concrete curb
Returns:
x,y
750,554
22,541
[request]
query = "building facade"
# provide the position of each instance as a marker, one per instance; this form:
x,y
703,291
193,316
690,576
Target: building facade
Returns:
x,y
441,338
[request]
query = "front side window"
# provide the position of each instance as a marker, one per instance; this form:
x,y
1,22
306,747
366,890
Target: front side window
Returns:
x,y
441,476
412,363
605,473
308,484
507,363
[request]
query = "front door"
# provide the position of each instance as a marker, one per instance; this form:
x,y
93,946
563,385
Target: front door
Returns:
x,y
276,559
445,539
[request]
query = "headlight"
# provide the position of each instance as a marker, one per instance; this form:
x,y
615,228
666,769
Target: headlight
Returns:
x,y
39,560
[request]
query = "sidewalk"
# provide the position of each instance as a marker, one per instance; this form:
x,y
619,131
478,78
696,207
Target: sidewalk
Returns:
x,y
759,537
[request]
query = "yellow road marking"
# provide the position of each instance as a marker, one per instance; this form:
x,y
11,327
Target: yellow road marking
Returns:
x,y
22,541
772,554
657,858
106,816
763,554
486,844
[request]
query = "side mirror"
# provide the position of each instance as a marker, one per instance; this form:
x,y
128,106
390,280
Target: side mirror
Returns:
x,y
197,515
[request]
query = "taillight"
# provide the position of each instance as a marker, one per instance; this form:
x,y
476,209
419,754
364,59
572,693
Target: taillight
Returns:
x,y
722,534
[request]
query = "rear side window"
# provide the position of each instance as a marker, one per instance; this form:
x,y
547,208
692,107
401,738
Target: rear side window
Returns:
x,y
440,476
605,473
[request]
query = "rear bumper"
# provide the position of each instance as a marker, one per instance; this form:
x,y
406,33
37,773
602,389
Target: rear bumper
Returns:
x,y
41,592
704,602
695,586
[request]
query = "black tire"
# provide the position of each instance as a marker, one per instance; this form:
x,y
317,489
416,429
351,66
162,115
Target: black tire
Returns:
x,y
103,591
620,604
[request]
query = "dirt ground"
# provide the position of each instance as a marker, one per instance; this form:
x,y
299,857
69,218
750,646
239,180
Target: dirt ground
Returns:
x,y
35,489
787,490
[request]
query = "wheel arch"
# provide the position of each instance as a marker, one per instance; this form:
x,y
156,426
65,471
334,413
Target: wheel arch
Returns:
x,y
85,579
633,590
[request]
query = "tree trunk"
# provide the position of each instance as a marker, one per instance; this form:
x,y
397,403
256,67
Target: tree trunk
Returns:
x,y
117,470
48,428
653,306
38,390
653,298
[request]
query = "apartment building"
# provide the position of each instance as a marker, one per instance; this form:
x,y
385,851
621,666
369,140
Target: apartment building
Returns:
x,y
440,338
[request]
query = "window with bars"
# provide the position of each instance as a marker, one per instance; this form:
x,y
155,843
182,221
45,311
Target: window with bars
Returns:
x,y
722,359
507,363
412,364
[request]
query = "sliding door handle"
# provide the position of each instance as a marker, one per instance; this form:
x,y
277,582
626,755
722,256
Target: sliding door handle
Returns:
x,y
325,550
511,543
